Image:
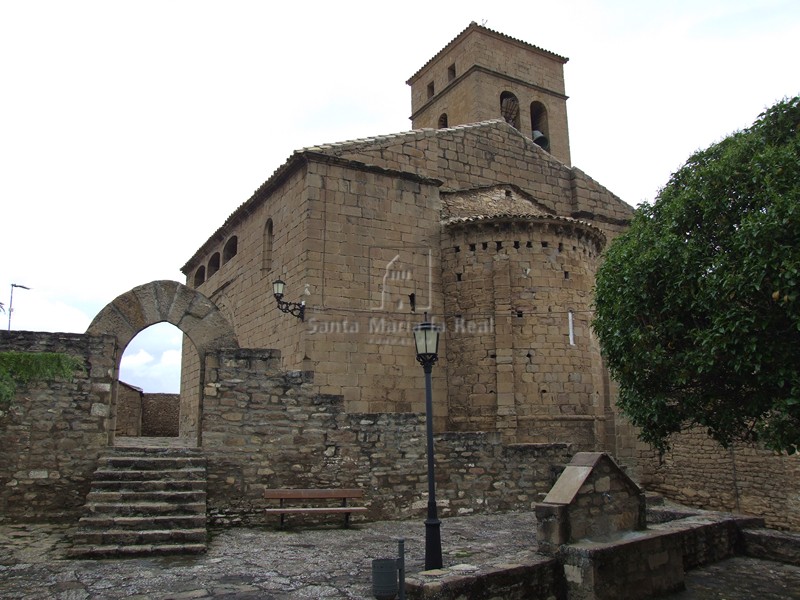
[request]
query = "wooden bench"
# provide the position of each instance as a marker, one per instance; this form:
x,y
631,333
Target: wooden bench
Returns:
x,y
307,496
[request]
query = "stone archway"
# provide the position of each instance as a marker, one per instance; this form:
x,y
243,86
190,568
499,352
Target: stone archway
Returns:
x,y
188,310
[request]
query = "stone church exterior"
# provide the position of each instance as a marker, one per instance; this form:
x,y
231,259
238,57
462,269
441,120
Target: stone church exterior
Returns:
x,y
475,217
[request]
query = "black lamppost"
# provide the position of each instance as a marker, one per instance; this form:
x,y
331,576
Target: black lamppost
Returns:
x,y
426,338
298,309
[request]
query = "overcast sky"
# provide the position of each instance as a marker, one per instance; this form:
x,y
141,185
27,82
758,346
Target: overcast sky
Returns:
x,y
129,131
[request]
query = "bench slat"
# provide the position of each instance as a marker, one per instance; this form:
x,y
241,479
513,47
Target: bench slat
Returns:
x,y
309,494
315,509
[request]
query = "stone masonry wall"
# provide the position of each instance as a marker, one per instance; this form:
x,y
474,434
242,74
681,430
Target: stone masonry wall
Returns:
x,y
698,472
52,433
263,427
355,239
129,410
373,240
242,288
525,376
160,413
487,154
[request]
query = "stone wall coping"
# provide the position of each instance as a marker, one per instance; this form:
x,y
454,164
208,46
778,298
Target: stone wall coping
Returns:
x,y
610,543
567,486
577,472
780,546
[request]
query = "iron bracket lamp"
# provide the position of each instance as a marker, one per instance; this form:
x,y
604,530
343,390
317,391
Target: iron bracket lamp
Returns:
x,y
297,309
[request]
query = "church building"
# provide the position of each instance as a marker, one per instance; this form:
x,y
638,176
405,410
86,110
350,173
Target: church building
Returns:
x,y
475,220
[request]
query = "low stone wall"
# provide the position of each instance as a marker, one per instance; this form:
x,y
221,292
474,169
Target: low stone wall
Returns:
x,y
699,472
644,564
160,415
129,410
262,427
52,433
266,428
539,579
767,544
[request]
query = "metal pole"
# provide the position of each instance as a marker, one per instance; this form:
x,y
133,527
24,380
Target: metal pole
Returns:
x,y
10,305
401,567
433,539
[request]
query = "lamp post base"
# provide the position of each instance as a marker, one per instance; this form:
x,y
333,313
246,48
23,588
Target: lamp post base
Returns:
x,y
433,543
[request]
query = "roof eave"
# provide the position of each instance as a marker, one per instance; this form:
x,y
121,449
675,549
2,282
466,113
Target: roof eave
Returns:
x,y
472,27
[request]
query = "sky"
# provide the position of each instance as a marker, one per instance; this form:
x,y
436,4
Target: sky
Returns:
x,y
129,131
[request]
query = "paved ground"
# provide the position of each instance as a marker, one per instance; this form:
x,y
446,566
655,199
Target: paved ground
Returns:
x,y
325,562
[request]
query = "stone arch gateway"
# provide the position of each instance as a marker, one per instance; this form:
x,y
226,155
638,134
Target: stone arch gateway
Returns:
x,y
171,302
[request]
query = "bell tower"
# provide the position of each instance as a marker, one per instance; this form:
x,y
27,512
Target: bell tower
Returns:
x,y
483,75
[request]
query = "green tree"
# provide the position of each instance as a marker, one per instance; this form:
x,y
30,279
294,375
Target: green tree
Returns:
x,y
697,309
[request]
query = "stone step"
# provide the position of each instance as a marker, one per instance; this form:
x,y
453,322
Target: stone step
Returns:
x,y
138,522
137,450
146,463
179,497
113,550
144,502
145,508
149,485
193,473
127,537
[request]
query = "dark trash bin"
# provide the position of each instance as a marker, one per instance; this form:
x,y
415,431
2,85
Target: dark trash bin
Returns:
x,y
384,578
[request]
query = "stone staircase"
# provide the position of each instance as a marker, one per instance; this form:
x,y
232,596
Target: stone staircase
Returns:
x,y
144,501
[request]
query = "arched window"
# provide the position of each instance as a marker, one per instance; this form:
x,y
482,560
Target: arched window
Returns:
x,y
199,276
230,249
442,121
213,264
509,109
266,250
539,125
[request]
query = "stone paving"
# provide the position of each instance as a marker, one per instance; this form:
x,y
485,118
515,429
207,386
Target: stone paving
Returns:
x,y
319,562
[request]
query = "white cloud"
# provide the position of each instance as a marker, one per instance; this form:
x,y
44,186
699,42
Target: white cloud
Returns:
x,y
136,361
33,310
140,367
170,358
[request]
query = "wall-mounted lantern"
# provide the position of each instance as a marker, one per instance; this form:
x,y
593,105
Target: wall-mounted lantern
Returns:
x,y
298,309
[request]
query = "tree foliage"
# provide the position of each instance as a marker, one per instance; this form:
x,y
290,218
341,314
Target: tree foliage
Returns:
x,y
697,308
22,368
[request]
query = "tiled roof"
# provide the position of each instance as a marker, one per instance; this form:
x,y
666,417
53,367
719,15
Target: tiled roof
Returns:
x,y
477,219
334,149
473,26
491,200
337,148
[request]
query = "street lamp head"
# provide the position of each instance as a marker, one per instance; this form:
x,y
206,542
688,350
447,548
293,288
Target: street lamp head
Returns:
x,y
298,309
277,288
426,339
